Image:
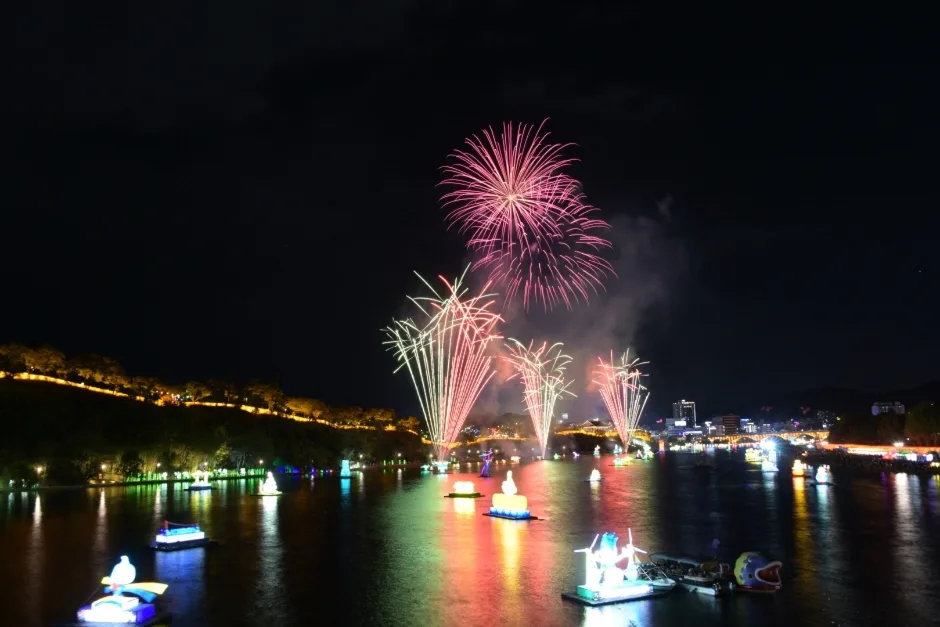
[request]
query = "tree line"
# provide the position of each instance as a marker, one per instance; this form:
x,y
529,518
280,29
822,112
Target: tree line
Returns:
x,y
107,373
920,426
60,435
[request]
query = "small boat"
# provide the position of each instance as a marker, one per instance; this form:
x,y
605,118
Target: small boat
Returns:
x,y
177,537
753,455
703,575
704,464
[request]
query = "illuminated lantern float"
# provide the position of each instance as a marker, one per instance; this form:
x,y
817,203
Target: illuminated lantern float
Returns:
x,y
464,490
799,470
605,582
509,504
116,608
822,476
201,481
269,487
595,476
344,471
174,537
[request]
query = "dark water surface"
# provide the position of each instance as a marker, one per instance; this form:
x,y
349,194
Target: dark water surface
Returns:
x,y
385,549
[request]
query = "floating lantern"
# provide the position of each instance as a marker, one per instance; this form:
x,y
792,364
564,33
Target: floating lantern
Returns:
x,y
465,490
509,504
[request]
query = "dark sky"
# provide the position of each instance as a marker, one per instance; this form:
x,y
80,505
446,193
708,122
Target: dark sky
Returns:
x,y
244,191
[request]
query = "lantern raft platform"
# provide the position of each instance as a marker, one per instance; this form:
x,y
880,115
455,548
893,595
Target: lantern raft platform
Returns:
x,y
586,596
505,517
163,619
463,490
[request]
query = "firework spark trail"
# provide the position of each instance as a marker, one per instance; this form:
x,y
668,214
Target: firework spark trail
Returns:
x,y
525,218
623,393
446,356
542,373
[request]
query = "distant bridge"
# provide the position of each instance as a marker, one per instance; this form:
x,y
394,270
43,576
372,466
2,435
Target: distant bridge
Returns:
x,y
760,437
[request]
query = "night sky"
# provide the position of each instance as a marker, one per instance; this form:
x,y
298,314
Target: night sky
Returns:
x,y
244,191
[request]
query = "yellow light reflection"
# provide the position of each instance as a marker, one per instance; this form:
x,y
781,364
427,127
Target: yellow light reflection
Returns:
x,y
465,507
35,556
509,531
804,559
101,528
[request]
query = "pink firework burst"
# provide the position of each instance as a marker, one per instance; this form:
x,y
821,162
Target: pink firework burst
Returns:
x,y
525,217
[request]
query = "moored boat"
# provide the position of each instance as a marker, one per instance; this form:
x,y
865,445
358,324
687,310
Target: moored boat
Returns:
x,y
703,575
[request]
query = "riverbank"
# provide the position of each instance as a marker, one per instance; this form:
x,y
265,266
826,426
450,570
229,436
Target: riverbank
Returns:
x,y
868,464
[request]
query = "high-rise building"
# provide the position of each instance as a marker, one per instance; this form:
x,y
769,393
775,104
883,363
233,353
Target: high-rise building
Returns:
x,y
731,424
888,408
685,410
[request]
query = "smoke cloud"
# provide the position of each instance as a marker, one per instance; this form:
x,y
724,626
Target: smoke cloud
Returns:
x,y
648,263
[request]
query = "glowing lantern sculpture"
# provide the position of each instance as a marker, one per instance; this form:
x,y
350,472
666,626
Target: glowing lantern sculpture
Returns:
x,y
605,582
118,608
465,490
509,504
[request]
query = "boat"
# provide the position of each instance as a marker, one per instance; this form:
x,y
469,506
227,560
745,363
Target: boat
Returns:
x,y
122,601
704,464
753,455
703,575
177,537
269,487
605,583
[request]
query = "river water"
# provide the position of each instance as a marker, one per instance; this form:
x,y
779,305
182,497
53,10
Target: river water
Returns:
x,y
385,548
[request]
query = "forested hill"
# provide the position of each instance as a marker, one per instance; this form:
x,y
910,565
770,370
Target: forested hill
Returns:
x,y
71,433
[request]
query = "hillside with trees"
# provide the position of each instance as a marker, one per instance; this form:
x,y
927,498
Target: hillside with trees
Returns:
x,y
920,426
133,423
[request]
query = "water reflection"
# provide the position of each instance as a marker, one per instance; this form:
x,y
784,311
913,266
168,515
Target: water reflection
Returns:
x,y
909,543
184,572
101,527
35,554
271,599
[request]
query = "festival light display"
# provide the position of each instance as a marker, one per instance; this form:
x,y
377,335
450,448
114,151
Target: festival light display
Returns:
x,y
201,481
595,476
799,470
269,487
464,489
117,608
525,217
623,393
509,504
605,582
344,471
447,356
542,372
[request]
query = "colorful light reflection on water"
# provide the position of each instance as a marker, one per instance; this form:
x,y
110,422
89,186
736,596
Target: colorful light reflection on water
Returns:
x,y
386,548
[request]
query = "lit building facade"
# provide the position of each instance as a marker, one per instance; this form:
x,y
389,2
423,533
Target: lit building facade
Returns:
x,y
685,411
